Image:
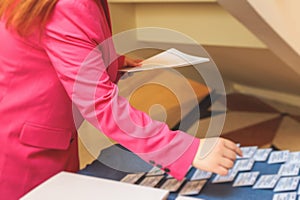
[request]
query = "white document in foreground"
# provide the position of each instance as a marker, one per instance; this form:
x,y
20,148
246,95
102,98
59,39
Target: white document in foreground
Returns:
x,y
168,59
66,185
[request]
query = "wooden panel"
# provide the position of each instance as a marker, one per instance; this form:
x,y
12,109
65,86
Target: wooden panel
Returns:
x,y
154,94
165,95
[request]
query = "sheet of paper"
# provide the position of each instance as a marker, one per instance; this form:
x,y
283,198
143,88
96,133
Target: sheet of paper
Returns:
x,y
278,157
267,181
287,184
228,178
172,184
192,187
132,178
289,169
244,164
245,179
261,155
248,152
151,181
201,175
285,196
179,197
167,59
73,186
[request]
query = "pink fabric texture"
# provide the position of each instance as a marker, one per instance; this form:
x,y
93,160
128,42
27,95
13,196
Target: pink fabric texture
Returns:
x,y
42,80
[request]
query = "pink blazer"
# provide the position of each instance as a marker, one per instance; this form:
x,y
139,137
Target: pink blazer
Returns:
x,y
44,77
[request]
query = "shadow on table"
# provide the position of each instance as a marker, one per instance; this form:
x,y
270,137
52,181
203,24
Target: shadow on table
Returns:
x,y
114,163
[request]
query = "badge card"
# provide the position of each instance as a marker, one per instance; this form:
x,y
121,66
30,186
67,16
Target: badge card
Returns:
x,y
245,179
267,181
132,178
192,187
287,184
172,184
201,175
285,196
278,157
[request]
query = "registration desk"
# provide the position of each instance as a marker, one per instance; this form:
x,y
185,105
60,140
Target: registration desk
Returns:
x,y
210,191
115,164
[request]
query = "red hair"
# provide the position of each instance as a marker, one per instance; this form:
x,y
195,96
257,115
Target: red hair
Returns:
x,y
22,14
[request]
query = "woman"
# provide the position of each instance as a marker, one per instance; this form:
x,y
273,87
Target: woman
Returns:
x,y
44,46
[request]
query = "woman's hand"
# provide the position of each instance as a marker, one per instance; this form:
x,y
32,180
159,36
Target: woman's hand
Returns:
x,y
128,62
216,155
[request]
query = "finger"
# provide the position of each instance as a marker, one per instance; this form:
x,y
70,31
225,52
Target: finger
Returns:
x,y
136,62
221,171
226,163
139,60
230,154
239,152
231,145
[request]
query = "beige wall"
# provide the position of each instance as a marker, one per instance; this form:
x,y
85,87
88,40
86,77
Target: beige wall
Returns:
x,y
274,23
207,23
240,55
283,17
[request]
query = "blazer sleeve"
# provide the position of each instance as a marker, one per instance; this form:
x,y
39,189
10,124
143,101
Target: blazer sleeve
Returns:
x,y
70,40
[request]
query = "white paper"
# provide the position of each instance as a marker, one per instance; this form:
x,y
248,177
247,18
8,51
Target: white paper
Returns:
x,y
228,178
287,184
289,169
245,179
248,152
187,198
285,196
244,164
278,157
167,59
261,155
66,185
201,175
267,181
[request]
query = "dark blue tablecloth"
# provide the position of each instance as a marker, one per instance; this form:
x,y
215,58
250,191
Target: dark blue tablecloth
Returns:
x,y
115,163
